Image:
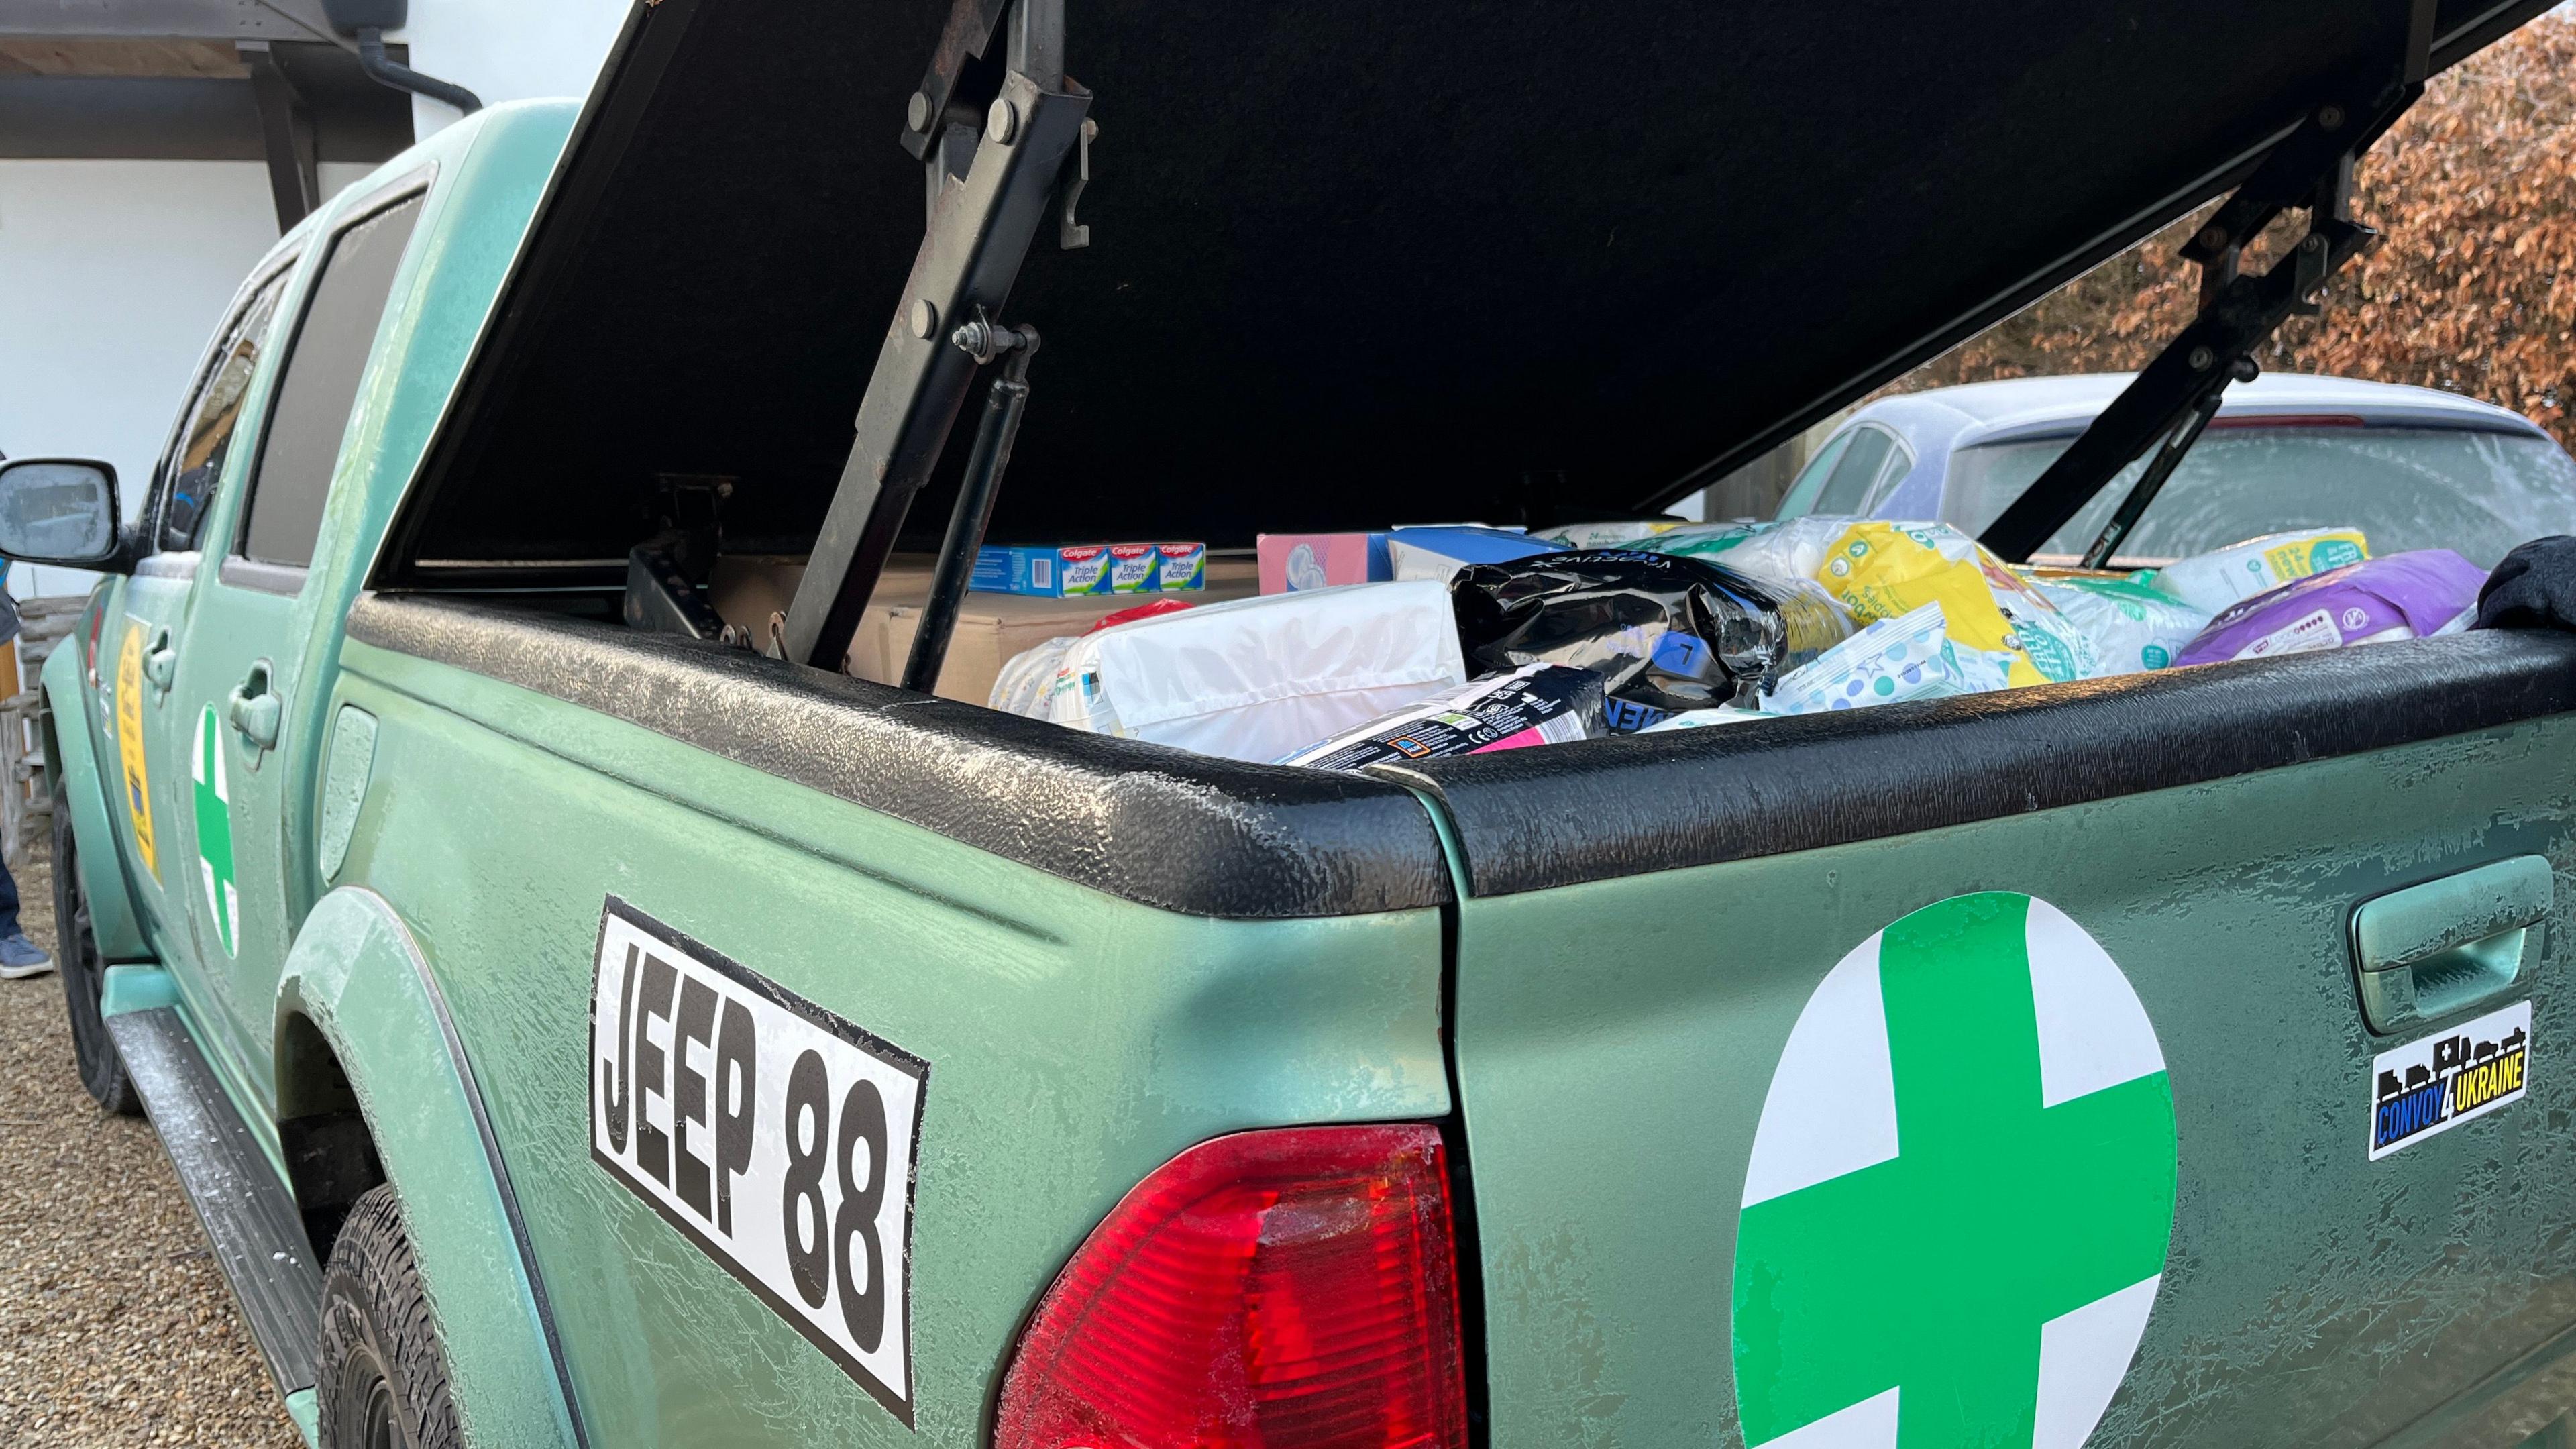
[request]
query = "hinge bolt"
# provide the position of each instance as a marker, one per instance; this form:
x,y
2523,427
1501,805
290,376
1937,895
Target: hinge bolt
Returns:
x,y
1002,123
925,319
916,112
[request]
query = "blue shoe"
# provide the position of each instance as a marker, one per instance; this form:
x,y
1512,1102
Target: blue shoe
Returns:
x,y
20,958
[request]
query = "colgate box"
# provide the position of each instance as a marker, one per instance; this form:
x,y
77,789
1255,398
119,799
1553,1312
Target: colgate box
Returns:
x,y
1076,570
1293,561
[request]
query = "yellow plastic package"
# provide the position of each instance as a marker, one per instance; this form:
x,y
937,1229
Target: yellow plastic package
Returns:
x,y
1888,570
1881,570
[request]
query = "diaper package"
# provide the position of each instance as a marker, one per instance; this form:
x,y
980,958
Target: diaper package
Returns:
x,y
1707,540
2213,581
2133,626
1911,656
2403,596
1541,704
1879,570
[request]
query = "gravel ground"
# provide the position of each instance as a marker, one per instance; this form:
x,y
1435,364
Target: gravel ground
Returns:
x,y
115,1328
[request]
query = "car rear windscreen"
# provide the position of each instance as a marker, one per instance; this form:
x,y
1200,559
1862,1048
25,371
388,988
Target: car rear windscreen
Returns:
x,y
2478,493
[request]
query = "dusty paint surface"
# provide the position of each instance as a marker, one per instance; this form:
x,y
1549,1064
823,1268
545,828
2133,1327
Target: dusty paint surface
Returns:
x,y
1616,1041
1076,1041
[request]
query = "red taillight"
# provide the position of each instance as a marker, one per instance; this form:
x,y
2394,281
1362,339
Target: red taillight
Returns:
x,y
89,657
1262,1291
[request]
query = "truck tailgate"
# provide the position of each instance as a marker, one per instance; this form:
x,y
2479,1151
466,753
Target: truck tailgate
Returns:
x,y
2078,1144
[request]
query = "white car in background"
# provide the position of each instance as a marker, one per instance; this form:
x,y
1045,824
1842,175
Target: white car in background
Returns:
x,y
2409,466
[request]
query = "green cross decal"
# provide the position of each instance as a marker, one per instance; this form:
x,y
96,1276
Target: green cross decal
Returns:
x,y
1932,1272
214,818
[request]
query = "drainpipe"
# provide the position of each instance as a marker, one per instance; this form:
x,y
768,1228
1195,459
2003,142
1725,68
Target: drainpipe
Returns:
x,y
368,20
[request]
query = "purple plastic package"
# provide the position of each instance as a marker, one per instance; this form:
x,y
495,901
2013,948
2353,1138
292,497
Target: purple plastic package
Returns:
x,y
2402,596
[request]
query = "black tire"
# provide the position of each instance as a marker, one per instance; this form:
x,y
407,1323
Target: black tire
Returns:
x,y
102,1071
379,1371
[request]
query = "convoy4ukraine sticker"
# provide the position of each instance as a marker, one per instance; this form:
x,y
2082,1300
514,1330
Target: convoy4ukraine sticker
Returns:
x,y
775,1135
129,745
1961,1191
213,797
2431,1086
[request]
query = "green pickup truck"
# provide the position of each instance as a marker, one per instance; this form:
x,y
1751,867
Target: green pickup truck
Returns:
x,y
582,1018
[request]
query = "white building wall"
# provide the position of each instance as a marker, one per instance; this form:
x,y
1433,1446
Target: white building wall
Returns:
x,y
113,275
507,50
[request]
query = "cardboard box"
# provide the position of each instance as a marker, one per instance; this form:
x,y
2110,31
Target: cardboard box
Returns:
x,y
1293,561
991,628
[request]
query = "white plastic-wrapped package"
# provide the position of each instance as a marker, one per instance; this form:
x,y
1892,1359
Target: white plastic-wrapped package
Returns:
x,y
1253,679
2214,581
1615,534
2133,626
1024,681
1911,656
1700,719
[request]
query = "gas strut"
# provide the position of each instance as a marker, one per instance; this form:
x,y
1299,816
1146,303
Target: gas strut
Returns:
x,y
1004,150
1003,405
2173,397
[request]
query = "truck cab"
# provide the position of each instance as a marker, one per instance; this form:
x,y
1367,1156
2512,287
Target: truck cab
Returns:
x,y
582,1017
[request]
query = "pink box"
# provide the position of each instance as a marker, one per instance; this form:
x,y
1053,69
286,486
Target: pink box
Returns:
x,y
1294,561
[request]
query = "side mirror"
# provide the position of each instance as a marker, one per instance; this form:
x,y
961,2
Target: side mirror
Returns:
x,y
59,511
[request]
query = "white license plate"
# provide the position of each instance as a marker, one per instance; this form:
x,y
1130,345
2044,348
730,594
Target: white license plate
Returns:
x,y
778,1137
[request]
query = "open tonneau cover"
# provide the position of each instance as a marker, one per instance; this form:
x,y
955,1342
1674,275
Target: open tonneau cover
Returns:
x,y
1350,263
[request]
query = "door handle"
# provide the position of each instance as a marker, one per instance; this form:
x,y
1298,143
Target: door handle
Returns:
x,y
253,708
161,661
2446,945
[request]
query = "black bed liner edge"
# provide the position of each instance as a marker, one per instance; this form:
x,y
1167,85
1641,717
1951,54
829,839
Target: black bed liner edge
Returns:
x,y
1156,826
1531,820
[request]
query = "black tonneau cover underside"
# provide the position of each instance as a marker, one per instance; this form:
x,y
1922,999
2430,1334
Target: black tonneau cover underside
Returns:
x,y
1353,262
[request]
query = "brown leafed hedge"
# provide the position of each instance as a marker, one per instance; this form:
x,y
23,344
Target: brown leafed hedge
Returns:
x,y
2472,290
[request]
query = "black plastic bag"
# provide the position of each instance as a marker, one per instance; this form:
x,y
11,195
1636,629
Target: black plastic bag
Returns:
x,y
2534,588
1666,633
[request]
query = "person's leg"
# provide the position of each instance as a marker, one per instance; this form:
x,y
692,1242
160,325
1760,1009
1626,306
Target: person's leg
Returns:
x,y
18,955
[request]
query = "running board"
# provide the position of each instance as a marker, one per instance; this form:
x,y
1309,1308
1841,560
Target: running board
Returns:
x,y
249,1215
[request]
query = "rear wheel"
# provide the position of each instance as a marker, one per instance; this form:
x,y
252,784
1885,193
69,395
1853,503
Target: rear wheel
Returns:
x,y
102,1071
381,1373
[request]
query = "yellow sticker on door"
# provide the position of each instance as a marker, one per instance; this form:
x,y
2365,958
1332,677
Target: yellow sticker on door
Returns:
x,y
129,744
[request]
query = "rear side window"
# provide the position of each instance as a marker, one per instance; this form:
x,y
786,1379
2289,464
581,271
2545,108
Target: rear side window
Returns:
x,y
195,464
1848,473
321,382
1874,457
